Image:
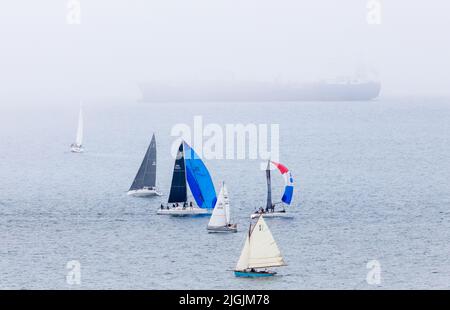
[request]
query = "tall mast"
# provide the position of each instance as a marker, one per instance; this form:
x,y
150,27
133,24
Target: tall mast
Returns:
x,y
269,187
178,190
79,139
185,172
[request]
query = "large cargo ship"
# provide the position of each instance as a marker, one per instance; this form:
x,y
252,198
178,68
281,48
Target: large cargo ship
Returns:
x,y
332,90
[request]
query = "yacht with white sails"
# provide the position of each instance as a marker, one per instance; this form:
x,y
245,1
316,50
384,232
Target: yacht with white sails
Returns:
x,y
220,220
77,147
259,253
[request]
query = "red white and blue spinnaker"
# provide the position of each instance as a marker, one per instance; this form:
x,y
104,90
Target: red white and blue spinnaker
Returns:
x,y
288,182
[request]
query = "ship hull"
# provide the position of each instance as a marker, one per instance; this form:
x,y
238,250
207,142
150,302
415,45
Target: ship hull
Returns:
x,y
222,92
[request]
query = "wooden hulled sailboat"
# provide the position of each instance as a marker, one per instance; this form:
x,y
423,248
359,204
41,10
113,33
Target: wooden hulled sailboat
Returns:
x,y
189,169
220,220
259,253
277,209
77,147
144,184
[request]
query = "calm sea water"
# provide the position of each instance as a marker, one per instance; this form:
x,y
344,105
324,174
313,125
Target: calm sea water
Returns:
x,y
372,182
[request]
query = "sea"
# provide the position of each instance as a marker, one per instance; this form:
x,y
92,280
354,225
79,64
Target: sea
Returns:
x,y
371,207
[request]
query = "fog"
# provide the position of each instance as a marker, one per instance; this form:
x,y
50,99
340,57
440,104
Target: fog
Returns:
x,y
119,43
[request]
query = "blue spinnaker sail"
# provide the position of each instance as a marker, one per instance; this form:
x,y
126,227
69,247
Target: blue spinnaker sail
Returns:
x,y
199,180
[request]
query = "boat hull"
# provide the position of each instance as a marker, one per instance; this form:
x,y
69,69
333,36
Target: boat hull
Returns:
x,y
144,192
183,212
222,229
249,274
76,149
273,214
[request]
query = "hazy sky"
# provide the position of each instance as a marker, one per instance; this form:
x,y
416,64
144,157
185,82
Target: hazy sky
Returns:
x,y
122,42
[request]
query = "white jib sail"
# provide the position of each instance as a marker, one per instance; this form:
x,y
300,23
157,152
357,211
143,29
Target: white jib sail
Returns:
x,y
242,263
219,215
79,140
263,250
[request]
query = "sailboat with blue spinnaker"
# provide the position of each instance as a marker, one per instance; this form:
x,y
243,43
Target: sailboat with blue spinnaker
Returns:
x,y
189,169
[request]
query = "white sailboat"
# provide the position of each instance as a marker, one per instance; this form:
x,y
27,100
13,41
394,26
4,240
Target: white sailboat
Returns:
x,y
77,147
220,218
260,251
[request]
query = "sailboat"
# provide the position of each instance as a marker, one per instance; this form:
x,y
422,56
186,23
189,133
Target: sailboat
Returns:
x,y
286,199
189,169
77,147
260,251
144,183
220,218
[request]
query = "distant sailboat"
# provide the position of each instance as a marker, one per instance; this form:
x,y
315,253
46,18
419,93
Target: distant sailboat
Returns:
x,y
144,183
260,251
189,169
77,147
220,218
286,199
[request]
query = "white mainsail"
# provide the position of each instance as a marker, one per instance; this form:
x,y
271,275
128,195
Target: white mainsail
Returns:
x,y
227,204
79,140
260,249
221,213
